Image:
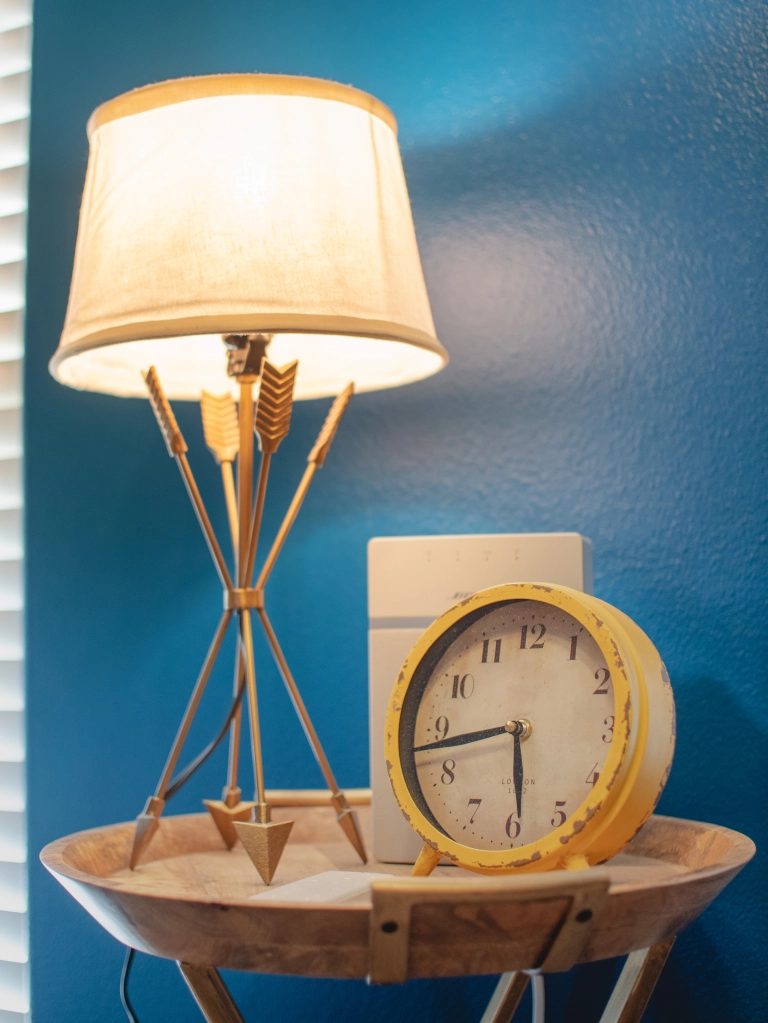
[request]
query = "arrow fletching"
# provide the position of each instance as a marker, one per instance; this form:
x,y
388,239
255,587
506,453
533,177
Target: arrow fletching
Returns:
x,y
324,440
220,426
273,411
166,420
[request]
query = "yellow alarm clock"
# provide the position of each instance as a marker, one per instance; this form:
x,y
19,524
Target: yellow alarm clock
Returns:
x,y
532,727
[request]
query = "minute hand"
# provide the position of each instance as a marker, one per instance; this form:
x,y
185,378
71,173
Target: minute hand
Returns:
x,y
463,739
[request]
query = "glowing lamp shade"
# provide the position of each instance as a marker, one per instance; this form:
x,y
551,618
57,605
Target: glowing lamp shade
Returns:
x,y
236,204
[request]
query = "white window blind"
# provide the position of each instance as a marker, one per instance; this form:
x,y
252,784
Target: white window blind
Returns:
x,y
15,53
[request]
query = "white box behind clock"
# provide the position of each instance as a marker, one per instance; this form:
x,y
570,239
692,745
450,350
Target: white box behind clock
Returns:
x,y
411,581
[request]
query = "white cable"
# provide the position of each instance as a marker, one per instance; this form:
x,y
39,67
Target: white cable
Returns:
x,y
537,990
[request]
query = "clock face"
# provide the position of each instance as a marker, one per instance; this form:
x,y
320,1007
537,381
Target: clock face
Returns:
x,y
519,666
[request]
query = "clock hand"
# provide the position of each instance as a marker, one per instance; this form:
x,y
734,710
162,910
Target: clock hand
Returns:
x,y
517,774
462,740
516,728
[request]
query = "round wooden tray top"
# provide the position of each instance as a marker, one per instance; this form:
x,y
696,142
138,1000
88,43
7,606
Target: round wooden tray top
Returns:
x,y
190,899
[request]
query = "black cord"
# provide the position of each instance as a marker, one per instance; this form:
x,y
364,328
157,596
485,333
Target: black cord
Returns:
x,y
124,986
183,776
180,780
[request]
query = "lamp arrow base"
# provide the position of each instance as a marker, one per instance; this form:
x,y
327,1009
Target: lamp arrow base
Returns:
x,y
225,816
350,825
146,826
264,843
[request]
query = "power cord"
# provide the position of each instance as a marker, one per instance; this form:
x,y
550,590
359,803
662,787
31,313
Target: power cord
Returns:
x,y
183,776
537,991
129,952
178,782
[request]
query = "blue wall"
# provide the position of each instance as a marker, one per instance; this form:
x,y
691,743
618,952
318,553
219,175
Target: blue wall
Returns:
x,y
588,184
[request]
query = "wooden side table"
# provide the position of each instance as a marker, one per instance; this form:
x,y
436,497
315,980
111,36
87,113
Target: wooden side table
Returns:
x,y
190,900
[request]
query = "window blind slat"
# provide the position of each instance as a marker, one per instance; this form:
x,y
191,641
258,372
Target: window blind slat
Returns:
x,y
10,484
14,993
13,231
11,631
11,685
12,799
13,936
15,48
14,14
13,887
13,843
14,137
11,737
10,535
14,96
11,386
11,586
11,334
10,431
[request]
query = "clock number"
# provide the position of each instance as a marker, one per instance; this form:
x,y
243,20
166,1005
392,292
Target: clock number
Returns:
x,y
512,823
496,651
476,803
463,687
602,689
539,644
448,768
609,723
592,777
558,813
441,725
574,641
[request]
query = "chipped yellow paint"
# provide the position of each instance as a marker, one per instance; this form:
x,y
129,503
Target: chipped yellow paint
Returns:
x,y
638,761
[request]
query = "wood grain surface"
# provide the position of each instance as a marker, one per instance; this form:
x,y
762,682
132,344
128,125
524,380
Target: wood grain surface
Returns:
x,y
190,898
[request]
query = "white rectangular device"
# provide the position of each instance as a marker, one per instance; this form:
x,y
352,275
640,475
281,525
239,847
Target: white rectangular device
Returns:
x,y
411,581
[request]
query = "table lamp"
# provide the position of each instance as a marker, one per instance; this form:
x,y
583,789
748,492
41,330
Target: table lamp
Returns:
x,y
245,238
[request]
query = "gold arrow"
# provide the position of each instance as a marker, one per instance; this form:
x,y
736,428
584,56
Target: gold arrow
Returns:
x,y
177,449
166,420
315,459
273,411
222,435
324,440
272,421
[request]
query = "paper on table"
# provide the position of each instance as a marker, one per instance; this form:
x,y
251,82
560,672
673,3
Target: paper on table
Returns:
x,y
330,887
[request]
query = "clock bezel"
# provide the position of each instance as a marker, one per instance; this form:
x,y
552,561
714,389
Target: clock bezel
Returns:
x,y
575,837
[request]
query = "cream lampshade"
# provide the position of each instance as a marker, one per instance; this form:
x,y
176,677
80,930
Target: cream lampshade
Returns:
x,y
234,204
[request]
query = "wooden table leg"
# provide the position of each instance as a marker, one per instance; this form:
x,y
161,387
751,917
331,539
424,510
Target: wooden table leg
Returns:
x,y
210,993
506,997
636,983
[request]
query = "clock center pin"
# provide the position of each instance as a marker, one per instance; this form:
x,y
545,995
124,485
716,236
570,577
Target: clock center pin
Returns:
x,y
522,727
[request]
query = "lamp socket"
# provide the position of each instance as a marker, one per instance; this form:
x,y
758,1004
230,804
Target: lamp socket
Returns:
x,y
245,353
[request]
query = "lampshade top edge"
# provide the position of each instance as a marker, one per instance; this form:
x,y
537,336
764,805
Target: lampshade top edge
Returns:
x,y
182,90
